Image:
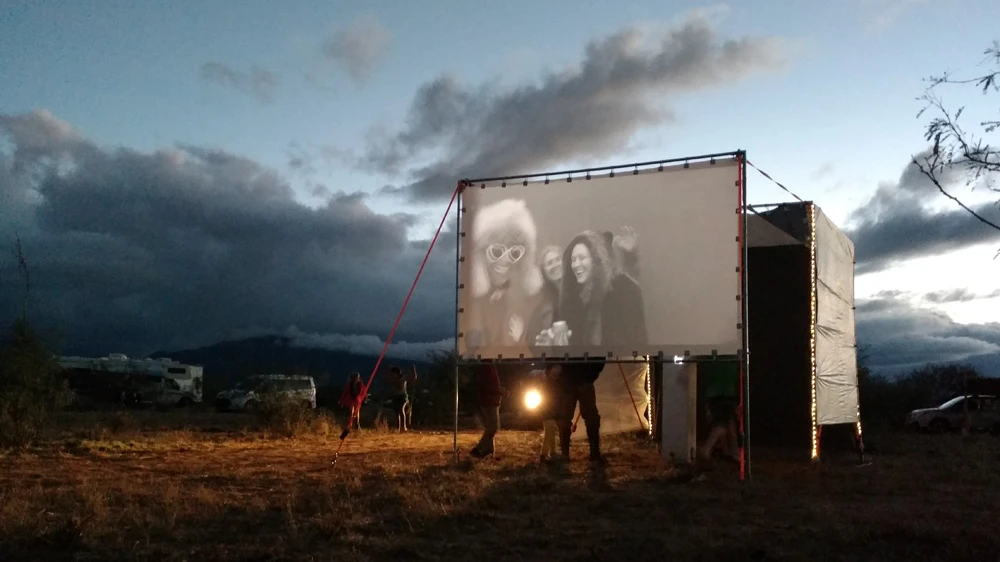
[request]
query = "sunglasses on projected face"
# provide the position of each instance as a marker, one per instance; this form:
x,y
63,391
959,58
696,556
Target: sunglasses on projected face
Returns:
x,y
497,252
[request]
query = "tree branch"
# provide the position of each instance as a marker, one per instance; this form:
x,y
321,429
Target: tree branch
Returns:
x,y
929,174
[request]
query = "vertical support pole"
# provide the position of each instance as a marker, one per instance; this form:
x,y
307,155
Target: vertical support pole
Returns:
x,y
814,428
455,436
691,369
744,355
458,303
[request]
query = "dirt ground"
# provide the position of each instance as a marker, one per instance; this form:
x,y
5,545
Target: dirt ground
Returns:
x,y
184,486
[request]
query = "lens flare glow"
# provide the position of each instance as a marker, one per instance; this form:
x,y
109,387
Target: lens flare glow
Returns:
x,y
532,399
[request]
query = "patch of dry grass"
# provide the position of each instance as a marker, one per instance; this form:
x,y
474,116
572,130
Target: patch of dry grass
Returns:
x,y
188,486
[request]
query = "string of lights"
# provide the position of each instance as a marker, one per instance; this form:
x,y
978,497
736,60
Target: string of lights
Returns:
x,y
649,400
814,454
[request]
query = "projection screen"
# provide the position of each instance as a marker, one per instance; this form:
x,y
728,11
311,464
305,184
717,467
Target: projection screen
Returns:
x,y
620,264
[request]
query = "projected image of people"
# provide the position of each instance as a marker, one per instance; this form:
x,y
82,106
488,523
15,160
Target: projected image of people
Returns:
x,y
505,277
550,261
600,302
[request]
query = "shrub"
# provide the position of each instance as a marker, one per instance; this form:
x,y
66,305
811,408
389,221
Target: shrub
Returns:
x,y
285,416
30,387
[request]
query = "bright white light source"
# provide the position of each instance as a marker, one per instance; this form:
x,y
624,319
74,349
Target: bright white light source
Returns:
x,y
532,399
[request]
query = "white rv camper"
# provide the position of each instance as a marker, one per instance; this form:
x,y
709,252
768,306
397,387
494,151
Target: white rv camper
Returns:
x,y
162,381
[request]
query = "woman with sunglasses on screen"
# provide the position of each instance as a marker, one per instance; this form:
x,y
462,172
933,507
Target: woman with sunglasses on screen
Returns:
x,y
504,276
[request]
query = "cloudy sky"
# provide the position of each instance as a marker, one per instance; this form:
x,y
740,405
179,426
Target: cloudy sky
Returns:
x,y
185,172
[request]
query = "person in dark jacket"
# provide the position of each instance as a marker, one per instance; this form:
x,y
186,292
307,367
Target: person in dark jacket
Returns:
x,y
489,395
578,387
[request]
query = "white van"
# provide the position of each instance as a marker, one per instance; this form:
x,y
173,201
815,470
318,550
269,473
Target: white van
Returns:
x,y
983,409
247,394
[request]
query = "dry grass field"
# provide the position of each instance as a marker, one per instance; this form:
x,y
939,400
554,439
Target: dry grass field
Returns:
x,y
187,486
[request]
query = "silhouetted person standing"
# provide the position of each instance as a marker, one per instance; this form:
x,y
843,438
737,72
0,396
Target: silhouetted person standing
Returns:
x,y
578,383
398,395
351,398
489,395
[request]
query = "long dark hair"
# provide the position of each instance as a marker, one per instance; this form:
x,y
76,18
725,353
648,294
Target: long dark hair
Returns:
x,y
582,312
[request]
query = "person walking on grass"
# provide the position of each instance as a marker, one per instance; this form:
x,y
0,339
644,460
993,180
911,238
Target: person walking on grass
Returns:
x,y
578,387
553,394
351,398
489,395
398,394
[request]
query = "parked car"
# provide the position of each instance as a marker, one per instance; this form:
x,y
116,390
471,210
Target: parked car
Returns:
x,y
247,394
984,414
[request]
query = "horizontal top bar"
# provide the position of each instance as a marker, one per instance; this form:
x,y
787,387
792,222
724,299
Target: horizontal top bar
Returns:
x,y
775,205
607,168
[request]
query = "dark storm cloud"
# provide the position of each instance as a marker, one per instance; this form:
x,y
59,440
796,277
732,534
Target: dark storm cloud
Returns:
x,y
900,336
133,251
257,82
622,83
358,47
898,222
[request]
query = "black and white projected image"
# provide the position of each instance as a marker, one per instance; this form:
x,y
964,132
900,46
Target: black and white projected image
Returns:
x,y
504,276
594,294
599,267
581,292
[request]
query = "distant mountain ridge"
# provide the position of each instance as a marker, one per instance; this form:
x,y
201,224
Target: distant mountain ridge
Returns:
x,y
228,362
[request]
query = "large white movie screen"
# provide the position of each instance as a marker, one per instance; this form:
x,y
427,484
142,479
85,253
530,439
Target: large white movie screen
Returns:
x,y
641,264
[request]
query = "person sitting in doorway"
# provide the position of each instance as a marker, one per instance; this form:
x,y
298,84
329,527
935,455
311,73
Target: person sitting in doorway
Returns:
x,y
722,405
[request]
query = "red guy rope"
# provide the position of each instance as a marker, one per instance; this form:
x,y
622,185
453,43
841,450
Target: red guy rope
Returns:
x,y
388,340
629,389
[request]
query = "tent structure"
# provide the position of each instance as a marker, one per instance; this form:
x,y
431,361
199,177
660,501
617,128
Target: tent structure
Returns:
x,y
801,337
802,300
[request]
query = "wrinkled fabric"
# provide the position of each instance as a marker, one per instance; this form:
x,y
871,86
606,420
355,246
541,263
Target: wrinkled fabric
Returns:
x,y
836,352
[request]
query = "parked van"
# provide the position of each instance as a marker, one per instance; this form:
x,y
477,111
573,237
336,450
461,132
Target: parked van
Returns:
x,y
247,394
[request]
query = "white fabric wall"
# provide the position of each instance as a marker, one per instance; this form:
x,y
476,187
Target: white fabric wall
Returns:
x,y
836,354
613,402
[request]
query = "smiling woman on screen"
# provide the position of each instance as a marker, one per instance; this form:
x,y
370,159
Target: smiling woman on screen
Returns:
x,y
600,305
